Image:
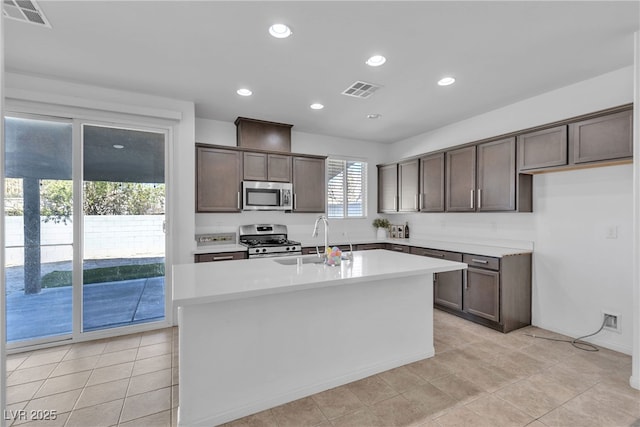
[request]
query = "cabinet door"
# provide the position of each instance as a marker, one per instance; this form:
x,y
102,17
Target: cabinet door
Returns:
x,y
602,138
388,188
461,179
497,176
255,166
431,197
218,180
309,187
542,149
482,293
278,168
408,186
447,287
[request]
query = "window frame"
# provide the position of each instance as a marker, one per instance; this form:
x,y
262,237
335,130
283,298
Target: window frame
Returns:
x,y
363,186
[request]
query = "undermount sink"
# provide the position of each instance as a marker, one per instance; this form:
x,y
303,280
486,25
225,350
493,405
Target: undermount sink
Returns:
x,y
313,259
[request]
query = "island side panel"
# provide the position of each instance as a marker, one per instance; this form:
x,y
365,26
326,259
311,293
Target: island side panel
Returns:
x,y
243,356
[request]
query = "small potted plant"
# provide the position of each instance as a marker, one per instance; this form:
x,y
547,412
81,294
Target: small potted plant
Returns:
x,y
382,225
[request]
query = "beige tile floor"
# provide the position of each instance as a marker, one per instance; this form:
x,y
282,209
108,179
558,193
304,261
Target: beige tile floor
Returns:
x,y
477,378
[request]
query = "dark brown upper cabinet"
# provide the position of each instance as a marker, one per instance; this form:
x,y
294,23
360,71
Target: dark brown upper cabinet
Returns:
x,y
388,188
218,180
496,176
432,192
542,149
607,137
309,185
267,167
495,188
408,181
461,179
262,135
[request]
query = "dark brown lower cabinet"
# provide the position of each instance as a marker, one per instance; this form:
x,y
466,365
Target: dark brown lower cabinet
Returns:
x,y
447,287
494,292
482,293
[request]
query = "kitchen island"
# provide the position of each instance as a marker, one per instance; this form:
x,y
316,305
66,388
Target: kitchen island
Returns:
x,y
258,333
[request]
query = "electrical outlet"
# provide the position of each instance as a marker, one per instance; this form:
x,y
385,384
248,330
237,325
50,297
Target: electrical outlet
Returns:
x,y
611,321
611,232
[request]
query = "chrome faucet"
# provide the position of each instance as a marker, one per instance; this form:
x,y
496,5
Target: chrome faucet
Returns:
x,y
326,234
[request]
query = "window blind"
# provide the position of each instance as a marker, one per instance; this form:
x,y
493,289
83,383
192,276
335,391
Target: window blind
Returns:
x,y
346,188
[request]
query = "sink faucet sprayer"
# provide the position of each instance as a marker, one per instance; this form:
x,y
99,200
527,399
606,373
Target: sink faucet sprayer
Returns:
x,y
326,234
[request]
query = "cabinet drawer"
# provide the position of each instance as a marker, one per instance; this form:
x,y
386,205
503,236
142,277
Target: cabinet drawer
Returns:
x,y
222,256
398,248
480,261
435,253
369,246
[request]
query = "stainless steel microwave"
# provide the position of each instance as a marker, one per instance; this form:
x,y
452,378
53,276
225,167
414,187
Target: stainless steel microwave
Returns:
x,y
267,196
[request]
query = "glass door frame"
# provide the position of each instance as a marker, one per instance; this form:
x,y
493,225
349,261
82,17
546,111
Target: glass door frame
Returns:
x,y
60,338
78,333
79,116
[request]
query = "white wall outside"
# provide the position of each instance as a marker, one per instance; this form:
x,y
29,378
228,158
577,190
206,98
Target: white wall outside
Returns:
x,y
106,236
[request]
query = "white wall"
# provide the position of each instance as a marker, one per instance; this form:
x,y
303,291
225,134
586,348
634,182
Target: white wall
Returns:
x,y
299,225
577,272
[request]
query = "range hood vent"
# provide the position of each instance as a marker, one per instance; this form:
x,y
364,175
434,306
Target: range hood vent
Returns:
x,y
360,89
25,11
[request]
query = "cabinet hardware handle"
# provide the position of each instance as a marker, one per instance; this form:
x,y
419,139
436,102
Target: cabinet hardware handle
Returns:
x,y
415,202
314,252
398,248
479,198
222,258
395,203
420,202
471,202
479,261
466,285
295,201
239,200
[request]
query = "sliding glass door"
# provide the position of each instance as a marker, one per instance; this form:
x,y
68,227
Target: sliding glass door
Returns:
x,y
123,241
39,235
84,221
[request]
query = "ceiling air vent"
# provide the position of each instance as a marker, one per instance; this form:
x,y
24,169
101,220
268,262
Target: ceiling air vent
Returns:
x,y
361,89
25,11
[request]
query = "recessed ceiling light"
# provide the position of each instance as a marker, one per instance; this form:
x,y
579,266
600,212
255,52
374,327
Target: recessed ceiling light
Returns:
x,y
376,61
280,31
316,106
374,116
244,92
446,81
118,146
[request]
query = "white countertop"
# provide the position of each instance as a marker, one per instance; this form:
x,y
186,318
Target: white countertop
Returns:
x,y
468,248
203,283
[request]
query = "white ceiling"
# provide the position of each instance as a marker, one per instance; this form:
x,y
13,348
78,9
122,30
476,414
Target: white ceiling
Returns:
x,y
203,51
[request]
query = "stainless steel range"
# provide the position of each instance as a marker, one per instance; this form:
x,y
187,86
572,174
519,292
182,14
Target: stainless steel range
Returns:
x,y
268,240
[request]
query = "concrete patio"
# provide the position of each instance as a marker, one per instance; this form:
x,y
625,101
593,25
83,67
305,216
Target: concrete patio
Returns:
x,y
106,305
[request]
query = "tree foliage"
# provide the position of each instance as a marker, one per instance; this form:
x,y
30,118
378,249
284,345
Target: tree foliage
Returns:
x,y
100,198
